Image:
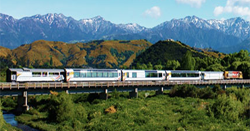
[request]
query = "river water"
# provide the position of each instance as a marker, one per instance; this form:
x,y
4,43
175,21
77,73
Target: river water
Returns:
x,y
10,118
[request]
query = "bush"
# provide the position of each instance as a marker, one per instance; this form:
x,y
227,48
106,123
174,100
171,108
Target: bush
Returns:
x,y
10,102
207,93
61,108
184,91
227,108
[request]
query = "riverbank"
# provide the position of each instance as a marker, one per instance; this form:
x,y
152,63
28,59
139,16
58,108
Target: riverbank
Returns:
x,y
10,119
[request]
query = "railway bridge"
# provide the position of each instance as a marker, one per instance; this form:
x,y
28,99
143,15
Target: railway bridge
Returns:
x,y
23,90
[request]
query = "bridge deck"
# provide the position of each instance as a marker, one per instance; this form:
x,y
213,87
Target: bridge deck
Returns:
x,y
39,85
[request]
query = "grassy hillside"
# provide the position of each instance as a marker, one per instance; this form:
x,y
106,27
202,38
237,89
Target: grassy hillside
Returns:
x,y
106,54
4,52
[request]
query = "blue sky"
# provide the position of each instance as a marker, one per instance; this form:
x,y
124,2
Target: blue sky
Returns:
x,y
148,13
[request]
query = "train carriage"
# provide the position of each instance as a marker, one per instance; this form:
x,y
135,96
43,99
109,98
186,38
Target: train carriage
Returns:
x,y
33,75
92,75
212,75
142,75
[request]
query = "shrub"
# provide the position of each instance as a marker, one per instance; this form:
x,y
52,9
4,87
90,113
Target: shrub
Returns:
x,y
184,91
227,108
207,93
61,108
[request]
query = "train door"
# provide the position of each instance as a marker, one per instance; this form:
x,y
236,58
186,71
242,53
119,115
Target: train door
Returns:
x,y
168,75
202,76
13,76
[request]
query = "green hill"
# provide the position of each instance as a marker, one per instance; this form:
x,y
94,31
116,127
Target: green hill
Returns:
x,y
163,51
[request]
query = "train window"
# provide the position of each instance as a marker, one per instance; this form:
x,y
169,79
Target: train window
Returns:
x,y
147,74
160,75
67,73
54,73
36,74
185,75
44,74
116,74
128,75
111,74
88,74
13,73
105,74
153,75
134,74
94,74
150,74
82,74
99,74
76,74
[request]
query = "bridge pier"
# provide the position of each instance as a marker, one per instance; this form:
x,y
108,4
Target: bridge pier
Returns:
x,y
242,86
134,93
224,87
104,95
22,102
160,91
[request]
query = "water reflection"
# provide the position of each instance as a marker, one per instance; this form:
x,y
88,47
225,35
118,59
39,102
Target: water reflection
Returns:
x,y
10,118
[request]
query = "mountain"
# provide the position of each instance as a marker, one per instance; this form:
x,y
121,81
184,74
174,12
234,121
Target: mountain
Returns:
x,y
57,27
192,30
101,54
236,48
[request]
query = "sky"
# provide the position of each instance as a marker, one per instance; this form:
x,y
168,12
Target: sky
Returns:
x,y
148,13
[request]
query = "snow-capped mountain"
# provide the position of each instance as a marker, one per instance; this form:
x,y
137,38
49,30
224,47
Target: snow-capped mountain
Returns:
x,y
235,26
192,30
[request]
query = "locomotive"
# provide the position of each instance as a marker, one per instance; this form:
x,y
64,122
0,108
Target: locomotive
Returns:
x,y
88,75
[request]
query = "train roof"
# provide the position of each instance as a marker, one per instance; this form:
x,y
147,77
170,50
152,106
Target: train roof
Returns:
x,y
35,70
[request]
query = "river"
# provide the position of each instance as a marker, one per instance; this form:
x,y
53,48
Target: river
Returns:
x,y
10,118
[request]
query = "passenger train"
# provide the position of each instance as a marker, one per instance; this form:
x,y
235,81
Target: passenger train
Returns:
x,y
87,75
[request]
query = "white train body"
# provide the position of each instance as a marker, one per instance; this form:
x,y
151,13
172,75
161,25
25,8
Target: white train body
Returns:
x,y
33,75
92,75
88,75
212,75
143,75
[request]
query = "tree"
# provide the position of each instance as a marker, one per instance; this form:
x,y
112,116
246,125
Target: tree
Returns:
x,y
158,67
245,68
172,64
51,61
215,67
188,62
150,66
61,108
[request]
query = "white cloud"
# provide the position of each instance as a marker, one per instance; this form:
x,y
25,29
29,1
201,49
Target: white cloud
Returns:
x,y
237,7
193,3
154,12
